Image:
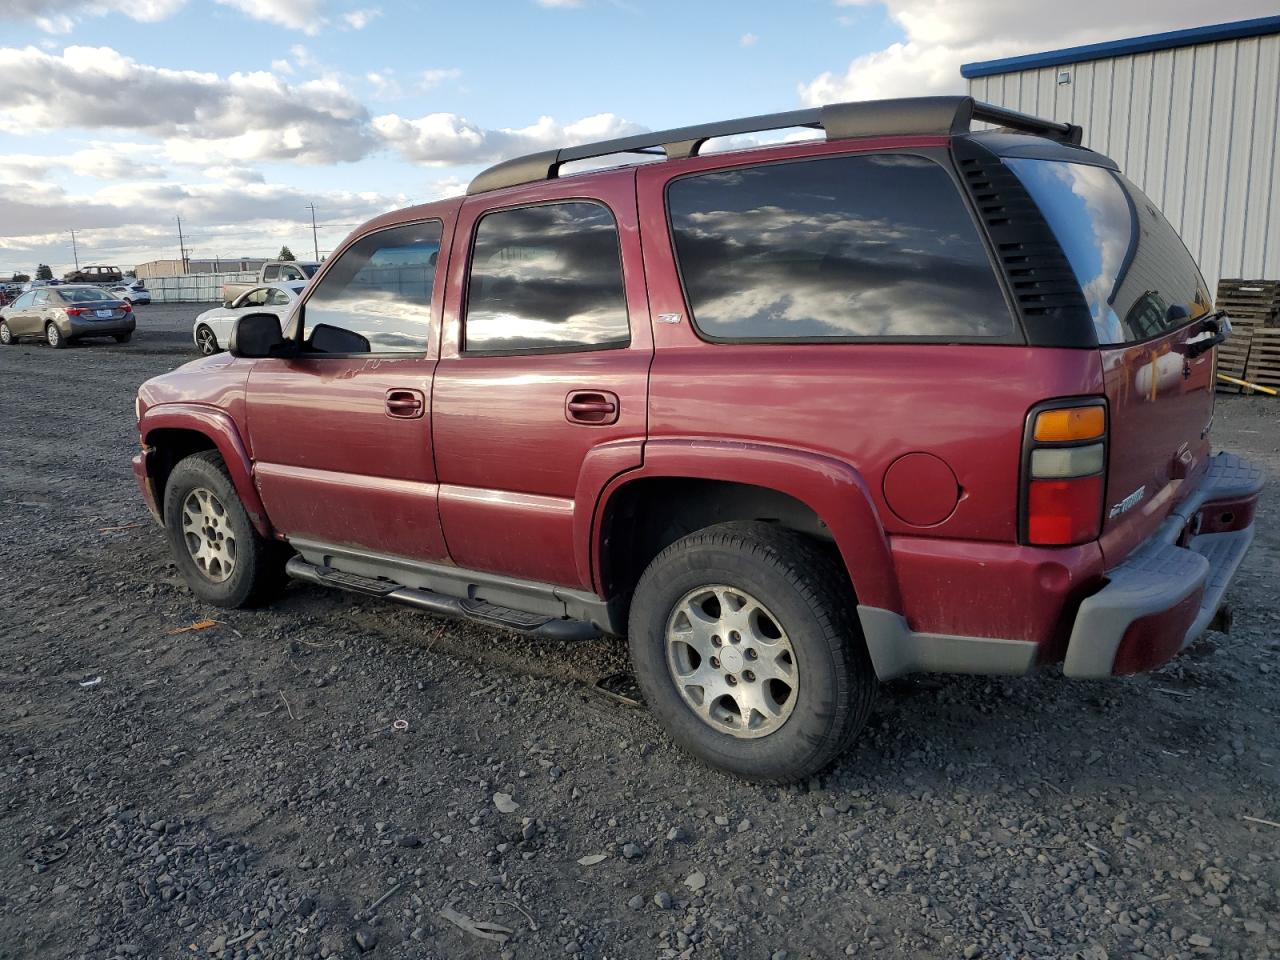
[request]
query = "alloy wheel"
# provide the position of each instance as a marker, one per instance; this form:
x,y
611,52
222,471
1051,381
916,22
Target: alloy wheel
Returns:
x,y
731,661
206,529
205,340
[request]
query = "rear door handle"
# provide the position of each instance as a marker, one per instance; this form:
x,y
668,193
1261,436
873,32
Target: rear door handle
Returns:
x,y
596,407
405,404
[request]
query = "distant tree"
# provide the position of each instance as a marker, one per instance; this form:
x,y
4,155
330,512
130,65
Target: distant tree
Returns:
x,y
131,274
20,278
43,272
285,254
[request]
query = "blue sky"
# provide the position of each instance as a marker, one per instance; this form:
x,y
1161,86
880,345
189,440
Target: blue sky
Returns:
x,y
118,114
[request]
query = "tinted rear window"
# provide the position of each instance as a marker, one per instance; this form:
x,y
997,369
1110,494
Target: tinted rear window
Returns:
x,y
876,245
1130,262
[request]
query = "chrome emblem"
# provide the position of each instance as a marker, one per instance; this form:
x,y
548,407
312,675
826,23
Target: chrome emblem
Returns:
x,y
668,318
1128,503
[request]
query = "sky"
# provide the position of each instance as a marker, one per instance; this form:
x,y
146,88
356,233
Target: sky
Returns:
x,y
117,116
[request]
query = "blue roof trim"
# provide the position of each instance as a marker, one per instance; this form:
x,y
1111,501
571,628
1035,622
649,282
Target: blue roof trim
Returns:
x,y
1119,48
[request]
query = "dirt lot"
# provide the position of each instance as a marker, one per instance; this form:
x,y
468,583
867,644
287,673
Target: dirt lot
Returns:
x,y
244,791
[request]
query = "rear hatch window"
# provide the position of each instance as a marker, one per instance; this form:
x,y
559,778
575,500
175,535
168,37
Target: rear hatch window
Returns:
x,y
1137,275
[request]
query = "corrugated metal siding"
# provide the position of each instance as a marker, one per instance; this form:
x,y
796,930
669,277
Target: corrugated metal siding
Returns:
x,y
1198,128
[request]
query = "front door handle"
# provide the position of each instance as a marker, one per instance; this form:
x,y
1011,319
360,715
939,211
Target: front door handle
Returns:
x,y
406,404
596,407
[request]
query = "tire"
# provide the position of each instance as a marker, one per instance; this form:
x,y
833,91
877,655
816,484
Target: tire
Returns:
x,y
789,585
206,341
53,336
244,569
6,335
123,337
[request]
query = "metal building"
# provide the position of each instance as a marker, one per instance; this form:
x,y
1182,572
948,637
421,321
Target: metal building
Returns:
x,y
1191,116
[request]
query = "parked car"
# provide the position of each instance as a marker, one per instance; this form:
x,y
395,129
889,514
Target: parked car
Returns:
x,y
273,271
908,399
134,291
101,276
212,329
65,313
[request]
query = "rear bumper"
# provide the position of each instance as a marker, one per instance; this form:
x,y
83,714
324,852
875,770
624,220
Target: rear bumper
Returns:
x,y
1166,592
1147,608
98,328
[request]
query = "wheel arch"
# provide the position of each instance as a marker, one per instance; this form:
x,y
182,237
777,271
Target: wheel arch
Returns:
x,y
171,432
686,485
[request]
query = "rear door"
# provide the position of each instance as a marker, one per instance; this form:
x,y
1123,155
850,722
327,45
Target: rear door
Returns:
x,y
1146,296
541,390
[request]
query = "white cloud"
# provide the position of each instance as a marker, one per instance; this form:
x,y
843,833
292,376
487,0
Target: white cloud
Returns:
x,y
560,4
943,34
282,66
304,15
446,187
444,139
256,115
435,77
749,40
359,19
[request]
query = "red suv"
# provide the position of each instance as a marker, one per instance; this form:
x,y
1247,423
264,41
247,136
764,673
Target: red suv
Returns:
x,y
794,419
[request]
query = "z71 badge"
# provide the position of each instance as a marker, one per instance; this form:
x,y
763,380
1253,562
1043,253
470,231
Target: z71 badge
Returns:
x,y
1128,503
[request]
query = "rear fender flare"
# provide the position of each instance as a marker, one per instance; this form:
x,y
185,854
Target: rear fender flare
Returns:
x,y
222,431
833,490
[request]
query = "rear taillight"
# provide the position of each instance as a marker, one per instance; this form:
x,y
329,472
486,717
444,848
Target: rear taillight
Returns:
x,y
74,311
1064,473
128,307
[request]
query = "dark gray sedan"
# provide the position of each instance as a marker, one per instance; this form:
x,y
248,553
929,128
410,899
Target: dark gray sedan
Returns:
x,y
65,313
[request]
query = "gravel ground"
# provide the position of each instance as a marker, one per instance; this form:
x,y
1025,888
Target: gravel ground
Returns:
x,y
332,777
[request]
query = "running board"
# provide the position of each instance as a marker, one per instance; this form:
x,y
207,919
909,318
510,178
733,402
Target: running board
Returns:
x,y
477,611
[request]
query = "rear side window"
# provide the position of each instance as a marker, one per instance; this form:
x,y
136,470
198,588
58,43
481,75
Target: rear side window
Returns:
x,y
377,297
1131,264
873,246
546,279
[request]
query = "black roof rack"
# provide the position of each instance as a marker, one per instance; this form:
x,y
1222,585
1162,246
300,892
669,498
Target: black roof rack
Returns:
x,y
946,116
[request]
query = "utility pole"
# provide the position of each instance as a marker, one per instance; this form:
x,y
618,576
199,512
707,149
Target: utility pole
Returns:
x,y
74,252
182,246
315,243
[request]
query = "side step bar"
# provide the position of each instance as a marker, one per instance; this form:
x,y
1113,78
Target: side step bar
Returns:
x,y
478,611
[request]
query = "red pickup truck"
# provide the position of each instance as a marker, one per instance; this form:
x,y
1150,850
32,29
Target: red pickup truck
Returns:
x,y
794,419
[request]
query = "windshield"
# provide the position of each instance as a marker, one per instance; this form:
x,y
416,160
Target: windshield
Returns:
x,y
1130,262
309,268
83,294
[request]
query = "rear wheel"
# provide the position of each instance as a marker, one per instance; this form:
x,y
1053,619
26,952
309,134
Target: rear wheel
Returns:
x,y
6,335
54,336
746,644
222,557
124,337
206,342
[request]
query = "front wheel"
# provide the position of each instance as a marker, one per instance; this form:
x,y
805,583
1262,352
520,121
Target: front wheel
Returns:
x,y
746,644
206,342
54,336
222,557
6,335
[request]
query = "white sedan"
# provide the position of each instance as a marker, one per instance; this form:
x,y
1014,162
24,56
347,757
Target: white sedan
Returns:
x,y
213,327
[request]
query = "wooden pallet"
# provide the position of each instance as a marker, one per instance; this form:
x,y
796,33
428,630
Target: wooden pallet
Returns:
x,y
1233,356
1250,299
1264,357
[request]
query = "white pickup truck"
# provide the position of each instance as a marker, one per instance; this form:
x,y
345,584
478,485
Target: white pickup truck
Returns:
x,y
272,272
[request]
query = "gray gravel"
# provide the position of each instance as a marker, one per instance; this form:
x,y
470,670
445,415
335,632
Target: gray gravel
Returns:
x,y
241,792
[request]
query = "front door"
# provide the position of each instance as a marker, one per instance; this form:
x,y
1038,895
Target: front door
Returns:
x,y
341,434
541,389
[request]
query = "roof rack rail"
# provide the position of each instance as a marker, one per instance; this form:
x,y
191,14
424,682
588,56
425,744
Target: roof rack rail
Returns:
x,y
941,116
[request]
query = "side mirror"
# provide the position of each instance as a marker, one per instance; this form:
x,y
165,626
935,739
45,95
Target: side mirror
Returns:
x,y
226,304
327,339
258,335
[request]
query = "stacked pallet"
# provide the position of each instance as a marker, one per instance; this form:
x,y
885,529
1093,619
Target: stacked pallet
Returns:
x,y
1254,308
1264,358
